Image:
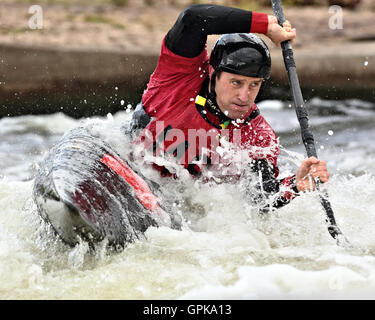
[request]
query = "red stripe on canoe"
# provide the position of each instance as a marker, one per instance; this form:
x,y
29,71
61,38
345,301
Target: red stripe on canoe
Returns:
x,y
142,190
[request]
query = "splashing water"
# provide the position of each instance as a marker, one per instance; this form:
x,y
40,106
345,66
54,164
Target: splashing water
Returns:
x,y
225,250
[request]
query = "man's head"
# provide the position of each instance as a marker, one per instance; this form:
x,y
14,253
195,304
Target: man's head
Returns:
x,y
235,94
239,63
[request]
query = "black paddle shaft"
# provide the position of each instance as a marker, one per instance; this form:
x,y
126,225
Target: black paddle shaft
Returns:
x,y
302,115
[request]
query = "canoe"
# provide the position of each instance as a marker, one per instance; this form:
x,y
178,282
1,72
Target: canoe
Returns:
x,y
84,190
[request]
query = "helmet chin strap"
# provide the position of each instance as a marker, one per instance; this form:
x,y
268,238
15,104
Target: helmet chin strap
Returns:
x,y
211,90
211,101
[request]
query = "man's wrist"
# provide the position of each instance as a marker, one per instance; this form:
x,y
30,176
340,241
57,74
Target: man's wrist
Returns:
x,y
293,185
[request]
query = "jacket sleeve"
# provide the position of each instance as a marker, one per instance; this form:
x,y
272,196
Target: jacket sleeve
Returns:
x,y
188,36
263,187
276,192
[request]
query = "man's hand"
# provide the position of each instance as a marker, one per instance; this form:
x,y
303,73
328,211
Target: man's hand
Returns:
x,y
279,34
310,169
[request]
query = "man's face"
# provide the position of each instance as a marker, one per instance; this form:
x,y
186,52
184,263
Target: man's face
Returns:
x,y
235,94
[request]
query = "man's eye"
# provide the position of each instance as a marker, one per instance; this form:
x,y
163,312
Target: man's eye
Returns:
x,y
255,84
236,83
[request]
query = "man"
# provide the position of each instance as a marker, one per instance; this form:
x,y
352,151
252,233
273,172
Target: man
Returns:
x,y
197,111
214,97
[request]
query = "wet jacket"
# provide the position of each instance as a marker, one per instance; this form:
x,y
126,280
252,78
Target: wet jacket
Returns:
x,y
187,125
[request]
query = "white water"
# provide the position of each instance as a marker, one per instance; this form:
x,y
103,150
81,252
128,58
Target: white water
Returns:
x,y
230,252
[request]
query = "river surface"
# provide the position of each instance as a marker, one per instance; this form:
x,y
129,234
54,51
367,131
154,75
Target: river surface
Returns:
x,y
226,252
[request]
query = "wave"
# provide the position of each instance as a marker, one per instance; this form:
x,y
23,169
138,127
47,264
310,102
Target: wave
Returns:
x,y
225,250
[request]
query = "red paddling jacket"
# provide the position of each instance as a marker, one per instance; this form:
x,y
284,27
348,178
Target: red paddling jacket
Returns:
x,y
188,126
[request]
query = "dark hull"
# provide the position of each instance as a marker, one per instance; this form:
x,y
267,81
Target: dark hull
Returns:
x,y
81,196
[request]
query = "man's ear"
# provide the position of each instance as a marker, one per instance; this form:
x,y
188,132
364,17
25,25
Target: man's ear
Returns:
x,y
210,70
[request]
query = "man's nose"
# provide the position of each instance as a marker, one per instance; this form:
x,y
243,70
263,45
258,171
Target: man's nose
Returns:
x,y
244,94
